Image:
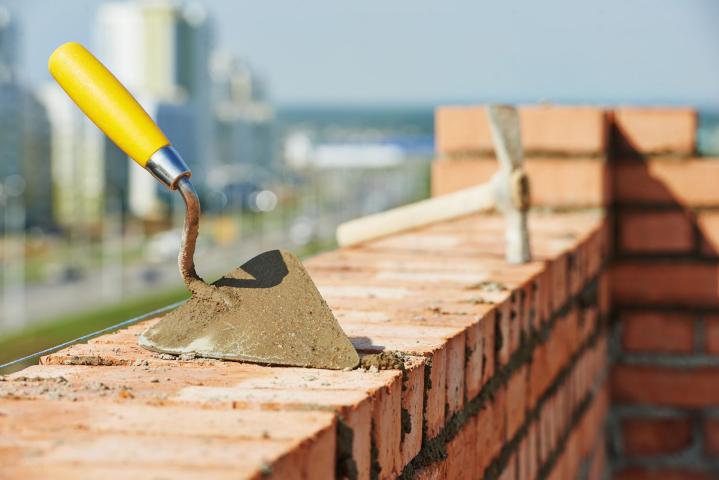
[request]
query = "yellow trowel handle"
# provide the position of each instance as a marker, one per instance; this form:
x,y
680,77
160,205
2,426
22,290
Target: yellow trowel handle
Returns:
x,y
115,111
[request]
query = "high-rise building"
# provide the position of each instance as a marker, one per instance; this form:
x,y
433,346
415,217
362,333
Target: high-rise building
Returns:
x,y
160,49
245,123
24,133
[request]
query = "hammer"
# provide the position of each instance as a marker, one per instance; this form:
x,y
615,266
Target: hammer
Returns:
x,y
507,191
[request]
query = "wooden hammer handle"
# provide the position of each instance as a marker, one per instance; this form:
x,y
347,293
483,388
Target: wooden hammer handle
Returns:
x,y
414,215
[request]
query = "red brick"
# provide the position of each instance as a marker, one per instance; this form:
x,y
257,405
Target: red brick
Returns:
x,y
480,363
436,394
516,401
708,225
545,128
657,130
712,334
657,332
554,182
653,436
711,436
560,282
523,460
676,283
539,378
656,232
386,425
571,129
661,474
491,430
665,386
533,450
573,458
412,405
664,182
455,373
461,457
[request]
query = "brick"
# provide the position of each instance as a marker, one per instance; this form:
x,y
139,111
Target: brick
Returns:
x,y
708,227
571,453
678,183
461,459
665,386
656,130
523,460
655,436
455,363
656,232
657,332
637,473
533,450
560,282
712,334
711,436
516,401
491,430
386,430
545,128
434,410
539,379
413,409
83,438
554,182
569,129
675,283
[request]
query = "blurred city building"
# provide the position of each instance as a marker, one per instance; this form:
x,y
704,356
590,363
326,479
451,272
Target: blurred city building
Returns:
x,y
24,137
244,130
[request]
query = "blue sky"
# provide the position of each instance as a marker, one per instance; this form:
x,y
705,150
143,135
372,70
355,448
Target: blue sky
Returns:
x,y
427,52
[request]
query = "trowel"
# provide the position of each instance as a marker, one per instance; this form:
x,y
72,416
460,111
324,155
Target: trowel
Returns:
x,y
268,310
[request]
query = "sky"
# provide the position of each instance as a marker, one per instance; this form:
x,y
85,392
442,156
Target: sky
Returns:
x,y
421,52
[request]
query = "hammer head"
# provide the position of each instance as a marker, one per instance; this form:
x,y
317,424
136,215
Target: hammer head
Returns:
x,y
511,183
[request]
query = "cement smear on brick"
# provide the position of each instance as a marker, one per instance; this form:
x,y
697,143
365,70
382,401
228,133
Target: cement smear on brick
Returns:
x,y
267,311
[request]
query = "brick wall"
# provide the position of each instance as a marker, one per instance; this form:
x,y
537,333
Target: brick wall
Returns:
x,y
499,372
665,381
562,431
662,200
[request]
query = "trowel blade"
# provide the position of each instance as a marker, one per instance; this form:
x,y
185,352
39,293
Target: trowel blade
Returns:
x,y
266,311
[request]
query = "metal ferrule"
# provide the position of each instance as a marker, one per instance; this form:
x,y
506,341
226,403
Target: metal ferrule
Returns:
x,y
167,166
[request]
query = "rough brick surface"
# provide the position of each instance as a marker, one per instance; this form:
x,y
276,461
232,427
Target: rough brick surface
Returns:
x,y
712,335
545,128
666,386
652,436
676,183
656,130
711,436
656,331
656,232
675,283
